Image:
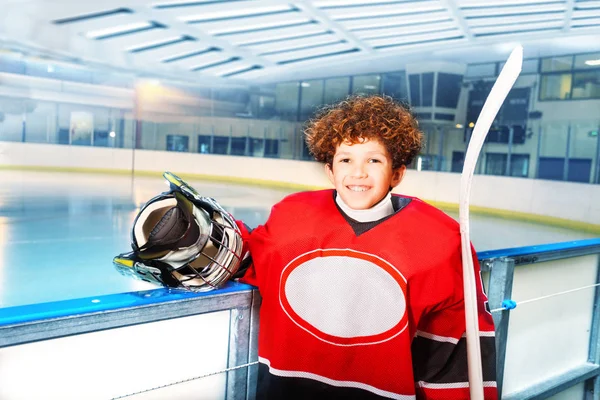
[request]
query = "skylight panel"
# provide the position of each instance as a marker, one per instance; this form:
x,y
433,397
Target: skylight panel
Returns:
x,y
516,10
253,23
155,43
344,53
101,14
343,3
404,30
226,67
174,50
269,47
186,3
309,53
195,53
276,33
200,14
384,10
114,30
409,39
239,72
201,60
586,13
585,22
214,65
500,29
421,45
504,3
148,38
513,19
587,4
393,20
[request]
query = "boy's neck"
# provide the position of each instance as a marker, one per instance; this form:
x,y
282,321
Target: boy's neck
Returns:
x,y
375,213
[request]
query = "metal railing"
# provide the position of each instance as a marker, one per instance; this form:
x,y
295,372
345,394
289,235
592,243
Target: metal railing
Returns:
x,y
27,324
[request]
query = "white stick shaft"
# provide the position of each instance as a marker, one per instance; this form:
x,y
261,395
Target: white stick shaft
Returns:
x,y
498,94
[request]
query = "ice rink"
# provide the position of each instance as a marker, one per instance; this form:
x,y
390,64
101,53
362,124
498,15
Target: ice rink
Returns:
x,y
60,231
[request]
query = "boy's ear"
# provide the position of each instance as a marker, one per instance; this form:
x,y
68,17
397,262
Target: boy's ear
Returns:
x,y
397,176
329,171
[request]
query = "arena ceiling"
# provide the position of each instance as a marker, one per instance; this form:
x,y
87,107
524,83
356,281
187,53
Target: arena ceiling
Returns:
x,y
274,40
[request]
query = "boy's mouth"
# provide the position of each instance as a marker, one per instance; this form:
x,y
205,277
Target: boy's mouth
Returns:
x,y
356,188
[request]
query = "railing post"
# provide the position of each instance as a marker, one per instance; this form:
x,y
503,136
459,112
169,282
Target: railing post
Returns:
x,y
239,339
253,345
500,288
592,387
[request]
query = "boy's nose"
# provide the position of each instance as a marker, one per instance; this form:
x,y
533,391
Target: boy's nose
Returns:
x,y
359,171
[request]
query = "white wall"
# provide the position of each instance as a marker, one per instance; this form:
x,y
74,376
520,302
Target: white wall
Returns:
x,y
568,200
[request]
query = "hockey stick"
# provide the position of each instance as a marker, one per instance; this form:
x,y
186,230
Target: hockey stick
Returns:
x,y
494,101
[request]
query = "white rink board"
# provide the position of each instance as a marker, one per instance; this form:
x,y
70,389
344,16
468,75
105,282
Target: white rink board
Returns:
x,y
107,364
550,336
568,200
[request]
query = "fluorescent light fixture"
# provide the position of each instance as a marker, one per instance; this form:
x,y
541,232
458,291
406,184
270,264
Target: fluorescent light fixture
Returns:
x,y
338,3
593,63
152,43
305,84
250,26
419,163
117,29
383,10
112,134
233,13
179,3
50,68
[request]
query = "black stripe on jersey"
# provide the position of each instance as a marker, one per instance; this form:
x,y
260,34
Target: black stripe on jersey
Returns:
x,y
444,362
273,387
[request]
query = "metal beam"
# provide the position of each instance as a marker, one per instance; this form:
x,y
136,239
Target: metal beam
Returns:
x,y
459,17
568,15
321,17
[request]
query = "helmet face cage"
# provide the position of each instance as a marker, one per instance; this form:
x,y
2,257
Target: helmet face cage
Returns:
x,y
202,247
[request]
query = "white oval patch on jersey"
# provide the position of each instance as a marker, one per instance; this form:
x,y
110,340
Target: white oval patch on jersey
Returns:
x,y
345,296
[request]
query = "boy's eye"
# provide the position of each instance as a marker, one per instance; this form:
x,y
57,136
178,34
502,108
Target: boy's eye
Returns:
x,y
345,160
374,160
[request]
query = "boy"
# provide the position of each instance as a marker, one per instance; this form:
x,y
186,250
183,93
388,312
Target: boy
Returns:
x,y
362,290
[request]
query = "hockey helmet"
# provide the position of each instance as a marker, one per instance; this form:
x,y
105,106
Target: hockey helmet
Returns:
x,y
182,240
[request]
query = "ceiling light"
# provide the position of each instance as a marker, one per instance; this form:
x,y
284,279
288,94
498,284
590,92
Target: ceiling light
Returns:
x,y
116,30
235,13
593,63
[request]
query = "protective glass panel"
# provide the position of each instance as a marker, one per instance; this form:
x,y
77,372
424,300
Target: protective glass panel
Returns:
x,y
555,87
554,64
366,84
336,89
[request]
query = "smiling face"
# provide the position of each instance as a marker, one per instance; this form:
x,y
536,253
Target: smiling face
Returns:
x,y
362,173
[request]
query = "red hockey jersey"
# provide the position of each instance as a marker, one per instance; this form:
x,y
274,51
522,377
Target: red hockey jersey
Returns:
x,y
376,313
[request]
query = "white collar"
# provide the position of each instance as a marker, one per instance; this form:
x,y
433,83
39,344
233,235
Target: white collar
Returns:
x,y
375,213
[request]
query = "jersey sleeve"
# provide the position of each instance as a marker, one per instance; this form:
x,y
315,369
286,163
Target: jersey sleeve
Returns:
x,y
257,254
439,349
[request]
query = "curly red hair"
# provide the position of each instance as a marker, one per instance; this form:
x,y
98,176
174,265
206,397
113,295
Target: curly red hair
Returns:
x,y
361,118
